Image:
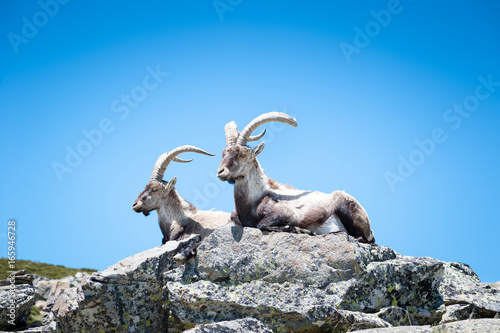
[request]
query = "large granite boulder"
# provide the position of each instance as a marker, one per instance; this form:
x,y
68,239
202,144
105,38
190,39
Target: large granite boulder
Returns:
x,y
46,288
17,295
294,282
126,297
464,326
247,325
243,279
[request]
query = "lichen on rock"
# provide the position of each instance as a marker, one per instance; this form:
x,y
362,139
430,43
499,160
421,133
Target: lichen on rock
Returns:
x,y
297,282
246,279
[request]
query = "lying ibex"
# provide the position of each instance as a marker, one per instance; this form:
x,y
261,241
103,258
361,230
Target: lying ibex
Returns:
x,y
263,203
178,218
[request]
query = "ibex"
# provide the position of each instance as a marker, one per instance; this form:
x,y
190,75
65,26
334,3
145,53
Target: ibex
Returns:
x,y
178,218
265,204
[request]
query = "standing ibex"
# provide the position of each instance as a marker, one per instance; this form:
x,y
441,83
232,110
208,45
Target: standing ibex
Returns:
x,y
178,218
263,203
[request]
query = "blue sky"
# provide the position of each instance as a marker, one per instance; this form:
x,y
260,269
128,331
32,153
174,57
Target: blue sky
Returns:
x,y
397,104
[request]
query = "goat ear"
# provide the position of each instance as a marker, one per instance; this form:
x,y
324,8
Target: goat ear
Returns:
x,y
172,183
260,147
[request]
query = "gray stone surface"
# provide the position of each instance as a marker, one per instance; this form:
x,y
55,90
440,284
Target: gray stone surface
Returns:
x,y
126,297
247,325
23,297
294,282
17,295
244,280
464,326
46,289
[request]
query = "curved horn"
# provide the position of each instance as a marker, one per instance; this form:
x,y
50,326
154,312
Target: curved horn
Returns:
x,y
180,160
256,137
232,134
164,159
262,119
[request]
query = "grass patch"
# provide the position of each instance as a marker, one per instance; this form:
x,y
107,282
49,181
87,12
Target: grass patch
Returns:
x,y
35,315
41,269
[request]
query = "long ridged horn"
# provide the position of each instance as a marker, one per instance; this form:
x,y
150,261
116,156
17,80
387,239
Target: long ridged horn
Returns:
x,y
180,160
262,119
164,159
232,134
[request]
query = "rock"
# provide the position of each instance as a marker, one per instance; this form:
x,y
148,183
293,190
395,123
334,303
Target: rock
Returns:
x,y
293,282
470,326
456,312
402,329
247,325
125,297
397,316
464,326
32,328
17,295
244,280
20,277
46,289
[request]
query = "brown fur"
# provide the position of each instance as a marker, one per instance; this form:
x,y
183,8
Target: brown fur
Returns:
x,y
178,219
278,207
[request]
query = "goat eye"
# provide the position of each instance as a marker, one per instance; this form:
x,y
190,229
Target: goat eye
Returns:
x,y
243,155
154,189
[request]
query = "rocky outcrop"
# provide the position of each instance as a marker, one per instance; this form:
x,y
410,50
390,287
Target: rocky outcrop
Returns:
x,y
17,295
495,285
247,325
293,282
245,280
126,297
48,289
465,326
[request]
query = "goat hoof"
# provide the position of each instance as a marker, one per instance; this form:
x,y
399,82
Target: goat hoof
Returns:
x,y
179,257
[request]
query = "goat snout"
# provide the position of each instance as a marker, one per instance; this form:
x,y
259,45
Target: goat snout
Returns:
x,y
136,206
222,174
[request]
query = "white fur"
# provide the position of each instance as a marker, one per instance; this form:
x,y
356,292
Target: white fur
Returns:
x,y
333,224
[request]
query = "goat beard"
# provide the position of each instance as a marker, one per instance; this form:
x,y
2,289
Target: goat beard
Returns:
x,y
145,212
232,180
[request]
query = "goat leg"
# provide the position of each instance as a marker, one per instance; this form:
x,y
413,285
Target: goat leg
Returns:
x,y
304,231
269,228
273,223
285,228
353,217
186,253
